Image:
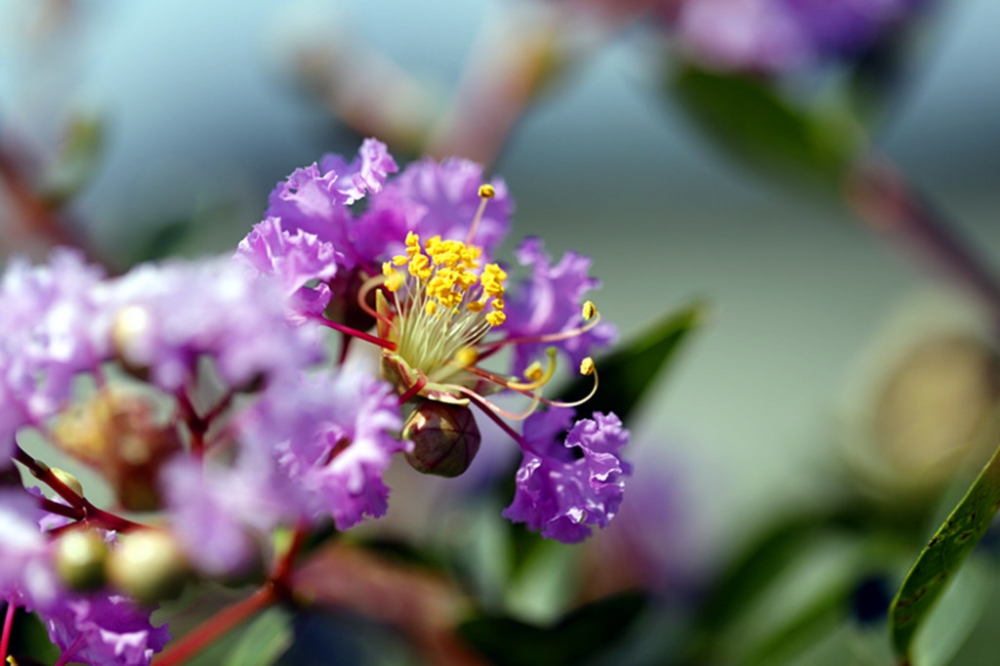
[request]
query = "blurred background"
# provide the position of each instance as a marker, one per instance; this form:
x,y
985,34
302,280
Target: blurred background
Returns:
x,y
159,128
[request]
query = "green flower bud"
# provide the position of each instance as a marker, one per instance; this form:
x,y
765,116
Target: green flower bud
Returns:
x,y
148,566
80,556
445,438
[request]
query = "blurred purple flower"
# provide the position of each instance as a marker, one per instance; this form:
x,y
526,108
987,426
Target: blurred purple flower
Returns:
x,y
549,302
26,575
774,36
46,337
104,629
165,317
562,495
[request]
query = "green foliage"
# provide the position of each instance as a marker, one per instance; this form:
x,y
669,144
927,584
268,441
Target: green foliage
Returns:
x,y
77,162
264,640
749,118
627,374
586,632
943,556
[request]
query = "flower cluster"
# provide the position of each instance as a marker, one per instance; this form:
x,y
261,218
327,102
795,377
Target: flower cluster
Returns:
x,y
774,36
206,391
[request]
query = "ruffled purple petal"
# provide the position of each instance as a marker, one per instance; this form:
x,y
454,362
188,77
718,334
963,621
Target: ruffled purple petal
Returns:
x,y
550,302
339,442
105,629
315,199
562,495
432,199
293,260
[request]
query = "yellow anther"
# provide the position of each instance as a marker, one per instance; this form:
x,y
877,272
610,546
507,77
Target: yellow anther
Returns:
x,y
466,356
487,191
496,318
394,281
431,307
534,372
587,366
400,260
589,310
497,304
387,268
420,267
475,306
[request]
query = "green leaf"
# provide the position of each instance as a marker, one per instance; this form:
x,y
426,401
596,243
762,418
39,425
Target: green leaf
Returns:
x,y
752,120
942,557
264,640
580,635
628,373
77,162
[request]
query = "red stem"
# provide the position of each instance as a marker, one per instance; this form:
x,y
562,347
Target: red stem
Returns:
x,y
385,344
218,625
90,513
8,622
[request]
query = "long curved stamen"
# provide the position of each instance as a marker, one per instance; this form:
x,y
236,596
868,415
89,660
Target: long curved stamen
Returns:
x,y
361,335
541,381
486,192
586,368
495,417
490,348
366,288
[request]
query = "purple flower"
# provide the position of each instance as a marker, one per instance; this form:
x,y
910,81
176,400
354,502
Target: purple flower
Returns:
x,y
433,199
165,318
293,260
315,199
550,302
46,336
105,629
220,514
562,495
775,36
338,442
26,575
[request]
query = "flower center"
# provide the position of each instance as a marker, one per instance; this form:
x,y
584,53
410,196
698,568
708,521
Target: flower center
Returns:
x,y
444,304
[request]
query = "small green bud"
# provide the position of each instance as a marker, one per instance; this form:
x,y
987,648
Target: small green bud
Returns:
x,y
69,480
80,556
148,566
445,438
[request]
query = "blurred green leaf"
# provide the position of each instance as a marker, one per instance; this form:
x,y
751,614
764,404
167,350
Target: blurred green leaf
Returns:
x,y
163,241
582,634
749,118
29,640
956,615
816,620
943,557
629,372
77,162
264,640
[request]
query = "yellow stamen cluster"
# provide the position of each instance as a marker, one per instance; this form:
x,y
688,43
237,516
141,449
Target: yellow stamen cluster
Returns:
x,y
448,305
444,270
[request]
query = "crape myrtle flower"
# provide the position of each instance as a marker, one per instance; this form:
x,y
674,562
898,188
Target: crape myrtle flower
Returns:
x,y
564,488
163,319
776,36
440,307
104,628
95,628
44,340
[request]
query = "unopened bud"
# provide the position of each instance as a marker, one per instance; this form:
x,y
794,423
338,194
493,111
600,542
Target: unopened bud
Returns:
x,y
68,480
129,326
148,565
445,438
80,556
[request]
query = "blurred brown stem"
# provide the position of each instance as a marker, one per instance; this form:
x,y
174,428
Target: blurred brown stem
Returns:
x,y
877,191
